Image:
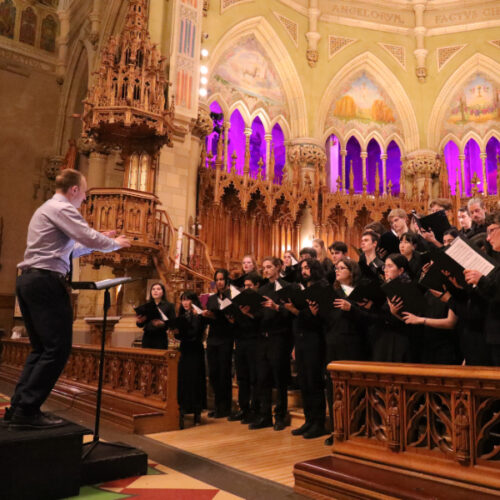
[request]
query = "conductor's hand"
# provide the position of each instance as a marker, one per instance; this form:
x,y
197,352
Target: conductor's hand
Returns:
x,y
123,241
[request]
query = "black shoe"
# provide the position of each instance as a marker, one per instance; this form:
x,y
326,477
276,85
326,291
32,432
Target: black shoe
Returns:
x,y
37,421
260,423
248,417
222,413
279,424
315,431
211,414
7,417
236,416
329,440
303,428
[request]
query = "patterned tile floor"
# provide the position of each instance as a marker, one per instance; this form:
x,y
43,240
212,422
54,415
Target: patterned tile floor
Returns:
x,y
161,482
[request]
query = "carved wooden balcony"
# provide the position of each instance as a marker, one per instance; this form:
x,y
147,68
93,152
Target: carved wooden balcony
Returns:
x,y
140,385
441,423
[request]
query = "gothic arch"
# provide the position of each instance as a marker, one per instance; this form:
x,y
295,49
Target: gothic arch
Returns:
x,y
375,68
278,54
477,63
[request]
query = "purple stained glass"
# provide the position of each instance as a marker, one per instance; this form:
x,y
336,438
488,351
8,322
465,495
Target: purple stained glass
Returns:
x,y
393,167
472,165
373,162
492,160
334,162
353,160
451,157
237,141
257,148
279,153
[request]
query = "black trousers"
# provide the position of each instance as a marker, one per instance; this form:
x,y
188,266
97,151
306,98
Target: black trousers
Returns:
x,y
245,359
310,359
219,358
273,366
47,313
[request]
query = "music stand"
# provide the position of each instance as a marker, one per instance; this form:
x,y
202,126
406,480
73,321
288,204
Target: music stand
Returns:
x,y
101,285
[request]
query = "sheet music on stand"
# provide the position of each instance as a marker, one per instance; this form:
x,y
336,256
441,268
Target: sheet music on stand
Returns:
x,y
463,253
101,285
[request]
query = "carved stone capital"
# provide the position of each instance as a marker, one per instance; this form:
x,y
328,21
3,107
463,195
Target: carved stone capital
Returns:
x,y
203,125
53,166
306,155
87,144
422,163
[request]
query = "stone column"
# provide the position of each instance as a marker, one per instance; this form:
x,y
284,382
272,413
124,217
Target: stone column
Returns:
x,y
420,52
383,157
248,133
268,138
312,35
227,160
343,154
461,157
483,156
364,156
62,44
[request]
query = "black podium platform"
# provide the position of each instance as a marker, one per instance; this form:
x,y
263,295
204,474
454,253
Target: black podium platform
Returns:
x,y
41,464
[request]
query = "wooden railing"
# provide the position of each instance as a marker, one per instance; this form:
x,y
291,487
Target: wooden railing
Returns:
x,y
442,421
140,385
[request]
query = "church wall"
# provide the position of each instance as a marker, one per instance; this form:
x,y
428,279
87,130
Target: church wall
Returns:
x,y
29,103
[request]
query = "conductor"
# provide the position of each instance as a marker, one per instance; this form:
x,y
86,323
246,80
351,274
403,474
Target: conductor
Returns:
x,y
56,230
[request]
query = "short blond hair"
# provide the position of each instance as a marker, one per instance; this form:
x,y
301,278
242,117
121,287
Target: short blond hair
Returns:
x,y
396,212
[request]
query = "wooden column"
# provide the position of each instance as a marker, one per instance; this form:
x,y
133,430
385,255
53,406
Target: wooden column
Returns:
x,y
485,173
383,157
364,155
343,154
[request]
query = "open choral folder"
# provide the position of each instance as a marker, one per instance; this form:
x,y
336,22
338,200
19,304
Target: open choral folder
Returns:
x,y
469,258
437,223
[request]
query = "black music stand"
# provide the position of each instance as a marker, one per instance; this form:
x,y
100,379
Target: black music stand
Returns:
x,y
105,285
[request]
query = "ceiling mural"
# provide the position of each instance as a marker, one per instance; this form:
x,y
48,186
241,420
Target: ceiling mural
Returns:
x,y
363,104
475,106
244,72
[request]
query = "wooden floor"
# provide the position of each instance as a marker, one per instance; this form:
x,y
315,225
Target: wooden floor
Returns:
x,y
264,452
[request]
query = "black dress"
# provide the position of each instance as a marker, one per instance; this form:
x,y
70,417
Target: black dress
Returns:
x,y
155,337
191,384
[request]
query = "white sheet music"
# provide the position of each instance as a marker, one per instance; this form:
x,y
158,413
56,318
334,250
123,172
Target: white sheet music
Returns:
x,y
196,309
164,317
468,258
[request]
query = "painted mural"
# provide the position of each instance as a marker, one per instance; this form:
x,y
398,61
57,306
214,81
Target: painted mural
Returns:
x,y
475,106
27,32
361,102
245,72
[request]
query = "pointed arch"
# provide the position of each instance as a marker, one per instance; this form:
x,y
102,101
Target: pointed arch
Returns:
x,y
377,137
357,135
475,64
446,139
381,74
280,58
264,118
219,99
283,123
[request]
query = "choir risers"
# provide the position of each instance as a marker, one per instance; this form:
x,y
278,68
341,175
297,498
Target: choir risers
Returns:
x,y
140,385
440,423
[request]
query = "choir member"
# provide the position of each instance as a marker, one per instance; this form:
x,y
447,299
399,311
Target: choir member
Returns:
x,y
220,346
441,204
449,235
338,249
408,248
398,220
308,253
309,356
322,256
437,342
392,342
248,265
155,330
477,213
290,271
191,393
465,223
245,354
372,267
273,350
489,288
